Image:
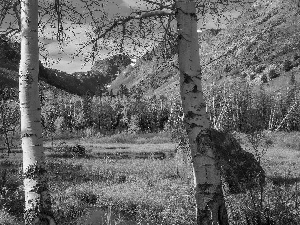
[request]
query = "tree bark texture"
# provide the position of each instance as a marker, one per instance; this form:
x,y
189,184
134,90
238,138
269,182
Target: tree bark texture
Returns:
x,y
210,201
37,198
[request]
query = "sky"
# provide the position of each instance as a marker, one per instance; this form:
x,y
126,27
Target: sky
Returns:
x,y
61,55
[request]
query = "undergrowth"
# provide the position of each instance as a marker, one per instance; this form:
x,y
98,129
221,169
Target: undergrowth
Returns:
x,y
148,191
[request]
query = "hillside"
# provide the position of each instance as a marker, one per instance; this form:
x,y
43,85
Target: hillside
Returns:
x,y
153,72
80,83
92,82
261,46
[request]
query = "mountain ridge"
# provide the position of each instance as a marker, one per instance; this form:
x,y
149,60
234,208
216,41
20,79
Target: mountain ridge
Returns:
x,y
261,47
79,83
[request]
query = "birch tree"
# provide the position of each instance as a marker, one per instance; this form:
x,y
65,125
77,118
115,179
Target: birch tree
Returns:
x,y
207,163
22,16
37,198
207,177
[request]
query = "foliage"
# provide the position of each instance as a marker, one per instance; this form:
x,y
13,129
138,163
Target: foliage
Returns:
x,y
11,188
131,138
158,191
9,57
275,202
238,106
65,150
232,106
9,117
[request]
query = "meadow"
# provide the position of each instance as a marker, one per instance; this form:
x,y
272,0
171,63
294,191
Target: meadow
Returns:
x,y
92,182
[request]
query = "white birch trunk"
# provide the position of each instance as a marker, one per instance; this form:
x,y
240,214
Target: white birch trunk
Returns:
x,y
37,199
210,202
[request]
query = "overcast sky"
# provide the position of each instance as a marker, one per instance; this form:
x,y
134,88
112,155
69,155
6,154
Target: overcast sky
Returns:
x,y
59,55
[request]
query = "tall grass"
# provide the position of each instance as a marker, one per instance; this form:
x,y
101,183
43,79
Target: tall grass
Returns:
x,y
276,202
148,191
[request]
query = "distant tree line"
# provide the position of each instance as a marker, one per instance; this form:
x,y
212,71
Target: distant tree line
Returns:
x,y
239,106
232,106
107,114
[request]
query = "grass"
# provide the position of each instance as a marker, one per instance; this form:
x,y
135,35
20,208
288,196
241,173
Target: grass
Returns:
x,y
147,138
148,191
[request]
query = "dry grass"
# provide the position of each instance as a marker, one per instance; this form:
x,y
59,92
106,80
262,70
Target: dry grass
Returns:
x,y
127,190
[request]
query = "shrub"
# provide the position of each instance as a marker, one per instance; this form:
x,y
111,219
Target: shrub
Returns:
x,y
59,125
273,74
260,68
270,205
264,78
287,65
227,68
69,151
134,126
86,197
11,191
7,219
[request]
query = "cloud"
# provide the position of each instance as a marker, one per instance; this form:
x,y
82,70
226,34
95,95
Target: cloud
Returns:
x,y
131,3
77,36
137,4
65,64
62,56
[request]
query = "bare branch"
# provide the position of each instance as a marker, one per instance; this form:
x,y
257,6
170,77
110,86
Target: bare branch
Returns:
x,y
161,5
17,13
123,21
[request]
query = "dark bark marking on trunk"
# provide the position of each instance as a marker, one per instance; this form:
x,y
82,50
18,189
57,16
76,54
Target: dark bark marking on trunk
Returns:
x,y
204,188
34,172
45,217
189,115
195,89
39,188
187,78
215,208
203,141
27,135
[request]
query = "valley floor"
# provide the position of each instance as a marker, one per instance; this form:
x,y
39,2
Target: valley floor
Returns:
x,y
102,189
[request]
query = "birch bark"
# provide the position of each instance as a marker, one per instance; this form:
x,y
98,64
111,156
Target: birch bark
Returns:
x,y
37,199
210,201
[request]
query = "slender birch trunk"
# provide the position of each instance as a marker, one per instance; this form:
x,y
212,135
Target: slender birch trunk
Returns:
x,y
37,198
210,202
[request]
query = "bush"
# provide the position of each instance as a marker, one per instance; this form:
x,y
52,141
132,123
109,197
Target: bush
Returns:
x,y
11,191
273,74
287,65
65,150
270,205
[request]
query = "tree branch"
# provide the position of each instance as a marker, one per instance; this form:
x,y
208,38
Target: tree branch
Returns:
x,y
162,6
124,20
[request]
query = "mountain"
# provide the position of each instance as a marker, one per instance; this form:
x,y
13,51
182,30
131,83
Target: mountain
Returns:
x,y
80,83
111,65
261,47
156,72
153,71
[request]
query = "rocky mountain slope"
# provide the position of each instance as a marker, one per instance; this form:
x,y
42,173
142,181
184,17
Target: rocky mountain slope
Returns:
x,y
155,72
262,46
80,83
